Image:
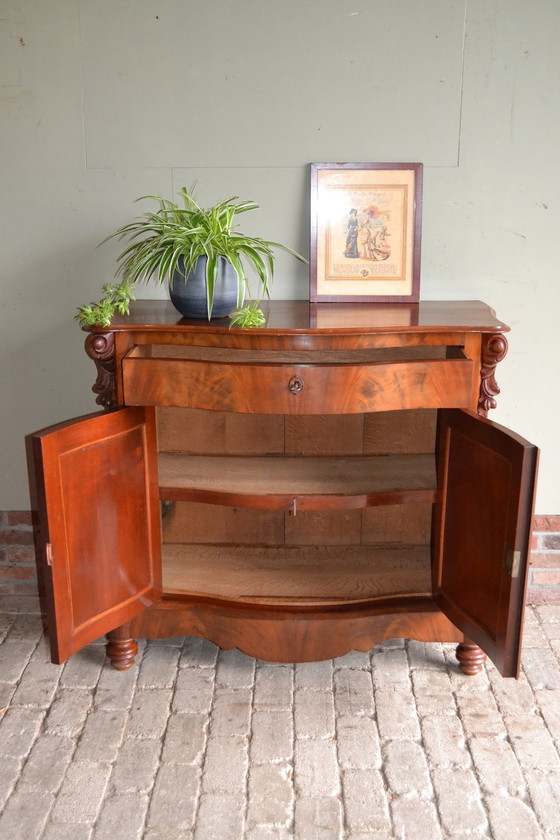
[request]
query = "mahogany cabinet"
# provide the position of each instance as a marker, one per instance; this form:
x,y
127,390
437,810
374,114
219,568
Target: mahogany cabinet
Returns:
x,y
297,491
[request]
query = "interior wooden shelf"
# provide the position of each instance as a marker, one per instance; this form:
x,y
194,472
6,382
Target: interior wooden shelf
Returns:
x,y
298,574
289,357
315,482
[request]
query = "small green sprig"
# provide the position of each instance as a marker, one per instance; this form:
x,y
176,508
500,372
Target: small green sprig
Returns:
x,y
247,316
100,313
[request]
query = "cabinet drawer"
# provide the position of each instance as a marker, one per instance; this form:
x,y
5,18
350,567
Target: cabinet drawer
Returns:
x,y
287,387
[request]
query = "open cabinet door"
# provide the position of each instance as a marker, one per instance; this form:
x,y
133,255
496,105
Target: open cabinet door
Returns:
x,y
95,492
486,480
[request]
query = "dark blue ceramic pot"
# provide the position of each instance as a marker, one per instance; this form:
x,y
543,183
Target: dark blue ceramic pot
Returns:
x,y
189,297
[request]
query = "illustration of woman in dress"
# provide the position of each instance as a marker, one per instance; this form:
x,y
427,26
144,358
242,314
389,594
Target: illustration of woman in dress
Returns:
x,y
351,249
374,244
367,232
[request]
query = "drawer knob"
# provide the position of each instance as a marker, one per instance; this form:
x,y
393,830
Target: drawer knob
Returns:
x,y
295,385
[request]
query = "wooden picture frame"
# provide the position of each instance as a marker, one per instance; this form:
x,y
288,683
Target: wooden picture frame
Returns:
x,y
365,232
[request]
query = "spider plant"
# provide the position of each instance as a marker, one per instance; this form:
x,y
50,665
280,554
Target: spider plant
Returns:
x,y
173,238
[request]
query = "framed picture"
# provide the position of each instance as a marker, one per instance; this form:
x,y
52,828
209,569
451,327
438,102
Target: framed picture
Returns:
x,y
365,232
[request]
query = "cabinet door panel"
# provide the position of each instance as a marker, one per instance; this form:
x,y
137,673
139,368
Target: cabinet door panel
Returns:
x,y
486,479
97,500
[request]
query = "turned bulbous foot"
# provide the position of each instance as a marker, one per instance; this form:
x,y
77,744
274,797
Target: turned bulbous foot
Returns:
x,y
471,658
121,652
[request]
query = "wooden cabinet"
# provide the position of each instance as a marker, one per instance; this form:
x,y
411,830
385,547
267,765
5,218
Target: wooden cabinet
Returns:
x,y
296,491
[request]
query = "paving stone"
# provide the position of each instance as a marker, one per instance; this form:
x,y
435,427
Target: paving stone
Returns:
x,y
544,789
18,730
6,622
413,817
14,657
235,669
390,669
353,692
159,667
67,714
172,641
219,817
167,833
480,714
67,831
202,753
354,659
122,816
198,653
541,669
174,798
185,738
513,696
316,768
7,691
37,686
433,692
42,653
24,816
358,742
16,604
270,794
497,767
25,627
444,741
231,713
10,769
149,713
317,675
225,766
365,802
82,791
549,707
194,690
549,613
115,689
47,763
318,818
460,801
272,734
396,714
102,735
314,714
532,742
511,819
136,766
84,669
422,655
406,769
266,832
274,686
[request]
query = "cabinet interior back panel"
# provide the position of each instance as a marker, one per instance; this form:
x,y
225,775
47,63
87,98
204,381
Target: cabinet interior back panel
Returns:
x,y
250,84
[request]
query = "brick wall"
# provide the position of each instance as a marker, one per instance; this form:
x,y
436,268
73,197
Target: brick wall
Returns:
x,y
17,558
544,568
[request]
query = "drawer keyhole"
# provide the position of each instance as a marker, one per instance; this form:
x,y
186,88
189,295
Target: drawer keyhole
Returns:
x,y
295,385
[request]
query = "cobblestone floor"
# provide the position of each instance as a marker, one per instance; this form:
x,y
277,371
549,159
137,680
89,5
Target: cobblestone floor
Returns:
x,y
197,744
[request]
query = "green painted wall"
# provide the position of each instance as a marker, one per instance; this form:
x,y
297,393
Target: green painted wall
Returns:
x,y
105,100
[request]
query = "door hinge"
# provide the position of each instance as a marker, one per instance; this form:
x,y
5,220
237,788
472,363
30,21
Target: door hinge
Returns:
x,y
49,554
512,562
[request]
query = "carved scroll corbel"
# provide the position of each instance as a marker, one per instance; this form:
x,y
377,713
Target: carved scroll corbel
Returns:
x,y
101,347
494,349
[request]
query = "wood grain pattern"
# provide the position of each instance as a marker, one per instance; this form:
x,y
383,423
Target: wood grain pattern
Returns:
x,y
299,575
297,634
315,483
98,502
327,389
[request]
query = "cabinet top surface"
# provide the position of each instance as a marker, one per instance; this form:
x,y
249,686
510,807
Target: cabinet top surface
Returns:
x,y
303,317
